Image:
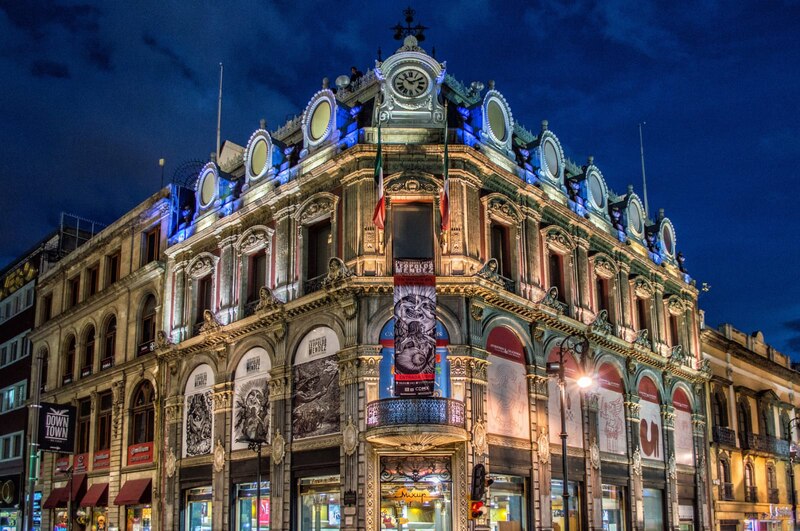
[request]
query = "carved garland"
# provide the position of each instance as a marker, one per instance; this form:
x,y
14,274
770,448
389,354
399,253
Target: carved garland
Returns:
x,y
557,240
643,288
316,208
202,265
253,240
604,266
501,208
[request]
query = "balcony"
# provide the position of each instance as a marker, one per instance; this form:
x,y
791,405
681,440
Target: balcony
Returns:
x,y
774,496
67,379
765,443
86,371
313,284
726,491
146,348
106,363
750,494
250,308
416,423
723,435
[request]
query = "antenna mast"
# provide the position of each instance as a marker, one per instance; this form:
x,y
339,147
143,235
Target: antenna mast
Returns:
x,y
219,110
644,178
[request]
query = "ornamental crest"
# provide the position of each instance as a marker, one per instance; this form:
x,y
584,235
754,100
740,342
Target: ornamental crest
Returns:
x,y
350,436
219,456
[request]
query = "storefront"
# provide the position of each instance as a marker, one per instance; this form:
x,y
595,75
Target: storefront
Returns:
x,y
198,508
94,507
653,504
246,496
574,509
9,503
319,503
507,507
416,493
614,508
136,495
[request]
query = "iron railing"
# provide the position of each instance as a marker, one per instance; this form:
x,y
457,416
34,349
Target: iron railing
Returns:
x,y
405,411
764,443
313,284
723,435
774,495
750,494
726,491
250,308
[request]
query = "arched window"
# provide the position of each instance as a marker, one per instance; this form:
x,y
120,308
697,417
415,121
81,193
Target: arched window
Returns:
x,y
786,432
744,422
109,343
147,325
88,352
69,361
719,409
765,420
143,414
726,487
749,483
772,484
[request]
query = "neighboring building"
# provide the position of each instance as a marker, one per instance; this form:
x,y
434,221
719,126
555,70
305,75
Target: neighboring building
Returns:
x,y
97,310
752,398
288,312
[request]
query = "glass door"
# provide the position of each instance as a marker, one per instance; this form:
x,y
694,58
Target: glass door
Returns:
x,y
198,509
320,506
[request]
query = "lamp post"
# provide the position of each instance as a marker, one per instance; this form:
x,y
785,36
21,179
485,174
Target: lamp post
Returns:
x,y
575,343
792,456
256,437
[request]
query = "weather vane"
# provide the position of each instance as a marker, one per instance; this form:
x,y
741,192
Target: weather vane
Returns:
x,y
401,32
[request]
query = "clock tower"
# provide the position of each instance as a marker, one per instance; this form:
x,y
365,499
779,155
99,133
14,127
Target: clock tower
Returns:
x,y
410,84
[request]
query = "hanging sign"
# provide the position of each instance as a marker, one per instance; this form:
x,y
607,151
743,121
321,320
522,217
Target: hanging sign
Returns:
x,y
57,428
414,327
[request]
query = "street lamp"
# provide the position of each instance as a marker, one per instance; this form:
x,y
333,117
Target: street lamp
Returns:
x,y
792,456
576,343
256,437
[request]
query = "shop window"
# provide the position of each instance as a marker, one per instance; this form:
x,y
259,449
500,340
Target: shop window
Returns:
x,y
103,441
246,496
319,249
143,414
653,510
88,352
147,327
614,507
92,279
73,290
140,517
198,509
112,268
69,360
555,268
204,296
258,275
557,504
109,343
150,243
507,506
84,423
416,493
412,230
500,249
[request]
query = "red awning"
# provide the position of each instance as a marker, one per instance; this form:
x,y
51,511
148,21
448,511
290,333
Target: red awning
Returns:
x,y
96,496
134,492
78,488
54,500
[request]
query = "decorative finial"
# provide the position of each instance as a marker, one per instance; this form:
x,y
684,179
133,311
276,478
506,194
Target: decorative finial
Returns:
x,y
491,84
591,160
660,213
630,188
401,32
325,82
262,123
212,157
544,125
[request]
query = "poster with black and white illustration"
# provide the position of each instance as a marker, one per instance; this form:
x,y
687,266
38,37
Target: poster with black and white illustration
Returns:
x,y
198,424
57,428
315,399
251,412
414,327
611,426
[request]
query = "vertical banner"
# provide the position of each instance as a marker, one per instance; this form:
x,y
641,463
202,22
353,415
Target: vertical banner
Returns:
x,y
57,423
414,327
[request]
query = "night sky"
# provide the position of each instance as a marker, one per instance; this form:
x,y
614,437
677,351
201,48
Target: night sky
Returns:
x,y
94,93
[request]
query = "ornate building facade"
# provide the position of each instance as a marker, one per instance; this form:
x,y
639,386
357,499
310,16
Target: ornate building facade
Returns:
x,y
378,364
752,406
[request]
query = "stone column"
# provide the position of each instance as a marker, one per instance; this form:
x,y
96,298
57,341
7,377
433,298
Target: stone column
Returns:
x,y
584,313
625,320
367,483
173,443
226,277
349,456
285,267
671,518
635,493
700,485
532,255
659,332
539,498
179,332
280,473
594,487
222,397
117,461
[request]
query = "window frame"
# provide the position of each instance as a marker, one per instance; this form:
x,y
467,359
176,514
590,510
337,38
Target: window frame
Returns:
x,y
103,422
144,412
83,431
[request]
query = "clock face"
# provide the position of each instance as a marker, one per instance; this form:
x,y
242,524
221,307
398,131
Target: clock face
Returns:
x,y
410,83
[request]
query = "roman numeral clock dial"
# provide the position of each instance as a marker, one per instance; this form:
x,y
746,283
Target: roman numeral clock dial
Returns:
x,y
410,83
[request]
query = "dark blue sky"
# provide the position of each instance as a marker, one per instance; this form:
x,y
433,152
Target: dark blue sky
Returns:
x,y
94,93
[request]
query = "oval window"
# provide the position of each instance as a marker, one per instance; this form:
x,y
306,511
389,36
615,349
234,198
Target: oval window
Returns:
x,y
635,219
207,188
551,158
320,119
258,157
497,120
596,189
666,236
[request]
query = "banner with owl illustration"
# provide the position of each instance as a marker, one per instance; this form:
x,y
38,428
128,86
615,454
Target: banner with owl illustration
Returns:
x,y
414,327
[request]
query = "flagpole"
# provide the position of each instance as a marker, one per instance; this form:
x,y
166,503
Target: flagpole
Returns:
x,y
219,112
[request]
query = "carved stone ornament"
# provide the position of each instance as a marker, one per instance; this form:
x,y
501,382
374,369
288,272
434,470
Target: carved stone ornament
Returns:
x,y
349,436
210,322
672,467
675,305
636,463
412,186
630,365
337,272
594,454
162,339
603,267
202,265
544,448
219,456
253,240
171,464
476,311
317,209
676,355
278,448
267,300
479,439
551,300
557,240
500,207
642,288
641,338
600,325
489,272
701,467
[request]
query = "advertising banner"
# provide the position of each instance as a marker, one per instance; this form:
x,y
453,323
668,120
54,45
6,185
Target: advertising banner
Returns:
x,y
414,327
612,411
572,406
684,434
508,391
650,420
57,424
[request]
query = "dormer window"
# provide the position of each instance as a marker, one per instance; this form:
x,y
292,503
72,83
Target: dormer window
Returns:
x,y
412,230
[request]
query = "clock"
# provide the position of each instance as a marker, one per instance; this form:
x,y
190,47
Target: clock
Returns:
x,y
410,83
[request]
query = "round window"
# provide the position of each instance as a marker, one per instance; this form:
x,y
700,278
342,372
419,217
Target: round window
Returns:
x,y
258,157
551,158
320,119
669,242
634,219
497,120
207,188
596,189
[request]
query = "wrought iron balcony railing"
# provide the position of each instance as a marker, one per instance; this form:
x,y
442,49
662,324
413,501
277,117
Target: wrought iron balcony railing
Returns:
x,y
764,443
774,496
723,435
750,494
409,411
313,284
726,491
250,308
